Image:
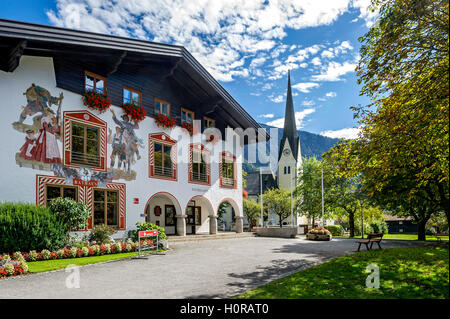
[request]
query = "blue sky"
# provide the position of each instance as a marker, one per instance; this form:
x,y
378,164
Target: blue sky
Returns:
x,y
248,46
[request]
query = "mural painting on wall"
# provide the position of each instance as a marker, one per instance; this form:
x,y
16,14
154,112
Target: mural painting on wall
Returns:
x,y
125,148
41,149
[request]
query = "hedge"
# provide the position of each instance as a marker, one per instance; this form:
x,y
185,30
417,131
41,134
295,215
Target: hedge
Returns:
x,y
25,227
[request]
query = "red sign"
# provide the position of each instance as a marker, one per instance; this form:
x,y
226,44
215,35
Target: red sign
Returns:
x,y
136,200
80,182
148,233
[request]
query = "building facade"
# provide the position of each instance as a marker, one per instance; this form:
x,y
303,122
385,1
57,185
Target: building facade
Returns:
x,y
126,171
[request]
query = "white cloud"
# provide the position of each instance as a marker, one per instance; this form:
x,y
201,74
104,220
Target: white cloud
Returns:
x,y
334,71
267,116
316,61
308,102
276,99
331,94
305,87
220,34
347,133
299,119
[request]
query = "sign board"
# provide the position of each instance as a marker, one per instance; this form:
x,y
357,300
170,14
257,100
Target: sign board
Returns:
x,y
148,233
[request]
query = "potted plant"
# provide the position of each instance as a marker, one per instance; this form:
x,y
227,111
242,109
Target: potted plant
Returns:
x,y
319,233
189,127
164,120
135,112
96,101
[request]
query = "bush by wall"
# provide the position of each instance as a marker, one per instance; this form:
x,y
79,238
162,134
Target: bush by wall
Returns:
x,y
147,226
101,234
336,230
379,227
25,227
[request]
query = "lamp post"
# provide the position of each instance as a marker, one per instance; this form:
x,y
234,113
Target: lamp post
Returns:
x,y
323,208
260,195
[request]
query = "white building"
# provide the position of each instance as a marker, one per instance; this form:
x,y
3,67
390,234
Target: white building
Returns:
x,y
125,171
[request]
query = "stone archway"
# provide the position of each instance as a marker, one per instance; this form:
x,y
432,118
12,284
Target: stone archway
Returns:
x,y
200,217
232,219
162,209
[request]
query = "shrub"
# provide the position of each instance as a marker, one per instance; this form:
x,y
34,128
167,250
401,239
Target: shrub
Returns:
x,y
147,226
100,234
73,252
45,254
85,251
367,229
72,213
32,256
379,227
336,230
25,227
118,246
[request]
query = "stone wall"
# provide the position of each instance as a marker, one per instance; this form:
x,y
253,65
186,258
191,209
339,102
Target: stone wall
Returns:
x,y
283,232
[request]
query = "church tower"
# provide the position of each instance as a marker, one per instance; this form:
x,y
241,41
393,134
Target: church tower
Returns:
x,y
289,155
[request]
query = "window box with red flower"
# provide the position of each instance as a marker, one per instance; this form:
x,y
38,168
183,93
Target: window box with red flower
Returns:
x,y
163,120
189,127
135,112
96,101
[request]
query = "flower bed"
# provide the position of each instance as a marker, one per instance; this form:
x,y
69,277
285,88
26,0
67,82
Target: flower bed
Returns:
x,y
12,267
319,233
164,121
96,101
77,252
135,112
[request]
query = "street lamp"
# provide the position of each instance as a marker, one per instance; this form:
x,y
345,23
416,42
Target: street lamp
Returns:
x,y
267,170
323,208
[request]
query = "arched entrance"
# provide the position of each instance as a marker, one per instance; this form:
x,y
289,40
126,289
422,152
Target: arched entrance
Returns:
x,y
200,217
161,209
229,217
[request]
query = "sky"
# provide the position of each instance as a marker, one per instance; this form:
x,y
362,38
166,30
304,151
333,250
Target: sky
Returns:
x,y
248,46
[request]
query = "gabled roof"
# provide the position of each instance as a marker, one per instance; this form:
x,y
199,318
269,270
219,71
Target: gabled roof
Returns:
x,y
253,183
17,38
290,128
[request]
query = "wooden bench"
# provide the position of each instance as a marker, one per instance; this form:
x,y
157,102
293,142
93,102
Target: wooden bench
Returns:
x,y
371,238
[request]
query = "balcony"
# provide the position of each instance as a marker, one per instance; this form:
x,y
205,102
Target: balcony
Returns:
x,y
163,171
85,159
200,177
228,182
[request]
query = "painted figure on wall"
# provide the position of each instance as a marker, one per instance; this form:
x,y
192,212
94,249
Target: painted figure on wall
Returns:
x,y
41,149
125,147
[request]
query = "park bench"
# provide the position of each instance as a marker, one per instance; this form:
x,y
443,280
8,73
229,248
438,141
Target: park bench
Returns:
x,y
371,238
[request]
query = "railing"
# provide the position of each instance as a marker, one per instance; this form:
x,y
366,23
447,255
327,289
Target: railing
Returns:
x,y
83,158
226,181
200,177
163,171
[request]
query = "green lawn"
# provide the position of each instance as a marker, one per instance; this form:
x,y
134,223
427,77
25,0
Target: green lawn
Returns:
x,y
396,237
47,265
413,272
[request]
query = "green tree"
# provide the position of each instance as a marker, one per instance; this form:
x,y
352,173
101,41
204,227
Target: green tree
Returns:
x,y
308,192
72,213
279,201
402,153
252,212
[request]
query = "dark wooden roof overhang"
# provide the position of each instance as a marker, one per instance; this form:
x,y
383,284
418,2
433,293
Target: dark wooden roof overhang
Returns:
x,y
107,53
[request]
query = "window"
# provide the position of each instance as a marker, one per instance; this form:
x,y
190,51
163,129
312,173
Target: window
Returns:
x,y
162,156
208,123
94,82
199,167
227,178
162,160
170,215
131,96
55,191
162,107
85,145
106,205
187,116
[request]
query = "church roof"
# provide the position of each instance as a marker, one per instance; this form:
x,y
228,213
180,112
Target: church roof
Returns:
x,y
290,128
253,183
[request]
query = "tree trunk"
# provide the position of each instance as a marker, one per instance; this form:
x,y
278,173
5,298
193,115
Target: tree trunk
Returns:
x,y
281,224
421,230
313,222
351,221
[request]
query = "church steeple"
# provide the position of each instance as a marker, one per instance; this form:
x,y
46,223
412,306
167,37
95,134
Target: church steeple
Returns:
x,y
290,128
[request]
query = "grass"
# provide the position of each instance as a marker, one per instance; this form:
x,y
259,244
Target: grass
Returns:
x,y
405,273
48,265
396,237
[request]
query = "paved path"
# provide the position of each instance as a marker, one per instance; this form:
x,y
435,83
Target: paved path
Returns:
x,y
207,269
